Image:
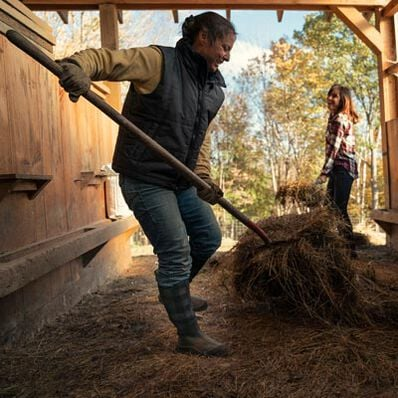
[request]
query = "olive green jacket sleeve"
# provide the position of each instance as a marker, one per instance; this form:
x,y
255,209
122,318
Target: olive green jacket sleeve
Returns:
x,y
142,65
203,167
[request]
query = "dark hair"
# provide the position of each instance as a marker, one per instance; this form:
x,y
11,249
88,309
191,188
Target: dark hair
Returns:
x,y
214,24
346,105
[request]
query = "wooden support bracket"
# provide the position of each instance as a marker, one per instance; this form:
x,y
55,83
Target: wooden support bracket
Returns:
x,y
64,16
27,264
32,185
93,178
120,16
361,27
390,9
386,218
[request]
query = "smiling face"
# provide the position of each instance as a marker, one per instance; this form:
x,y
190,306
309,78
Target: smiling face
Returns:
x,y
333,100
214,53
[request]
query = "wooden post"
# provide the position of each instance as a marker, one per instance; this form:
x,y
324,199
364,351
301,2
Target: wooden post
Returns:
x,y
381,39
389,118
110,39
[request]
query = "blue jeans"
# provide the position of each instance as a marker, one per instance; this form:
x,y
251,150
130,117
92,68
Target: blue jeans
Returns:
x,y
338,191
180,226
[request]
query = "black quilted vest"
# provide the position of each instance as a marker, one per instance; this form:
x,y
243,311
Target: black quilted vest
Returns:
x,y
176,115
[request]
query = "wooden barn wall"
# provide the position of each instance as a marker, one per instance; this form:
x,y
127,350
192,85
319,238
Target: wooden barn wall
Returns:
x,y
392,139
44,133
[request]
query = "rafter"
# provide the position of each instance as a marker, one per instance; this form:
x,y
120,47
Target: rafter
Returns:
x,y
120,16
175,16
207,4
390,9
64,16
361,27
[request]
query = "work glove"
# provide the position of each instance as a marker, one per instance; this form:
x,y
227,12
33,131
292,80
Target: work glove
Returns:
x,y
210,195
74,80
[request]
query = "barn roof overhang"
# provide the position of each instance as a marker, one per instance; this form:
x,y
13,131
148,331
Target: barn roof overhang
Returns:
x,y
304,5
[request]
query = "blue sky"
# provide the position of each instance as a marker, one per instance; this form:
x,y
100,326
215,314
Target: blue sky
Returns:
x,y
261,27
256,29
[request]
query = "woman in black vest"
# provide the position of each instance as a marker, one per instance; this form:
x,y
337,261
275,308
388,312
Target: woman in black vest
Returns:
x,y
174,95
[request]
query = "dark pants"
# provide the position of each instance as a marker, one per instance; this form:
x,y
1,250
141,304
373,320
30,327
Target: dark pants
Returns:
x,y
338,192
181,227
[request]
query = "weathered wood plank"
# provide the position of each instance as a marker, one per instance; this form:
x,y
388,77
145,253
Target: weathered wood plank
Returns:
x,y
6,23
53,163
392,132
72,161
29,267
21,8
33,26
6,154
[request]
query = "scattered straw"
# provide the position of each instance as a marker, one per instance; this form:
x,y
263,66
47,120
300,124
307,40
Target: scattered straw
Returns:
x,y
119,342
309,271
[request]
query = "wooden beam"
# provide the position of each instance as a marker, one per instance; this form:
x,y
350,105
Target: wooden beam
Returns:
x,y
175,16
228,14
120,16
328,15
205,4
390,9
279,14
64,15
361,27
109,26
110,39
26,12
9,12
388,102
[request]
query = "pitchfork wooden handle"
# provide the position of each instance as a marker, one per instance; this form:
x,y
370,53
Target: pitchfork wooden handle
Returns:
x,y
29,48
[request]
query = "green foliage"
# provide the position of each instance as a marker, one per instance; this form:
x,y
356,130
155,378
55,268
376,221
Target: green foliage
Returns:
x,y
238,159
273,130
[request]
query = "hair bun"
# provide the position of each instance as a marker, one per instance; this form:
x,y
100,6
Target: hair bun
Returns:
x,y
187,26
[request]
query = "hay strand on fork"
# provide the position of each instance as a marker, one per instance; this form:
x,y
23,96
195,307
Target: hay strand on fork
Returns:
x,y
301,193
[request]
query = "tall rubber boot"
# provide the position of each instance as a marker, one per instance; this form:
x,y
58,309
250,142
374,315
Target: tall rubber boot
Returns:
x,y
197,265
177,301
198,303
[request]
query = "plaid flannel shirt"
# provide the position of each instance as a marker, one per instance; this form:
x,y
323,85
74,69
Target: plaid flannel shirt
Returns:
x,y
340,145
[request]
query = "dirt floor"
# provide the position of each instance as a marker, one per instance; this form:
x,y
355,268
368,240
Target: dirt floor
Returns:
x,y
118,342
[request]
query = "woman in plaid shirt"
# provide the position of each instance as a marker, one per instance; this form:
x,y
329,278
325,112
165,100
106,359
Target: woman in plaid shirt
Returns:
x,y
340,164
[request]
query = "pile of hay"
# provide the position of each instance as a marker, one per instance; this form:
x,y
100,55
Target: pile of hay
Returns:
x,y
301,194
309,272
